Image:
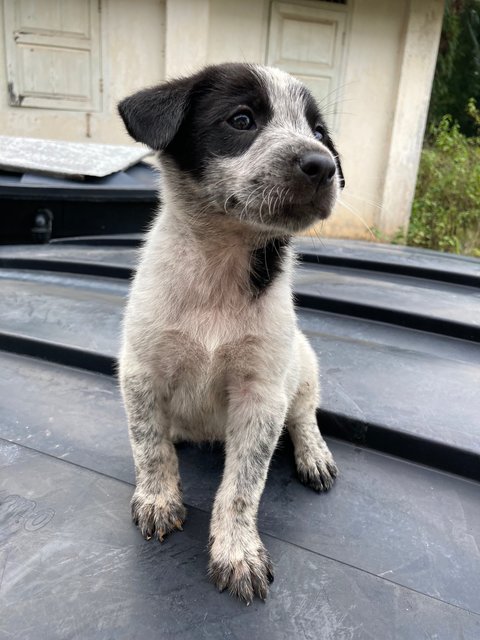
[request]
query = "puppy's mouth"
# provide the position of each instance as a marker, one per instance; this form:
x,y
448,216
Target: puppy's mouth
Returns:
x,y
319,199
298,215
314,207
282,207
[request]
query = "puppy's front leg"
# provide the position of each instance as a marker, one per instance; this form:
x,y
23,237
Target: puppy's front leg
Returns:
x,y
157,506
238,559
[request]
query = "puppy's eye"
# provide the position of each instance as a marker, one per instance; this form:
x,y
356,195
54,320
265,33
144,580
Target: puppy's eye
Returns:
x,y
243,120
319,133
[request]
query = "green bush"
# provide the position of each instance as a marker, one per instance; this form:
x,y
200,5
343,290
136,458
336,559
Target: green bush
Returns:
x,y
446,210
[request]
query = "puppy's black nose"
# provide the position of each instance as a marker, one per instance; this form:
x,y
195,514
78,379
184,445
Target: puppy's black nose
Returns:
x,y
318,167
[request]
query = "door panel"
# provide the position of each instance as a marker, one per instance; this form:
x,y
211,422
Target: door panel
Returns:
x,y
308,41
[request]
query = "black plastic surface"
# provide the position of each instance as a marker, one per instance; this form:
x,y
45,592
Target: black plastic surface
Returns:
x,y
75,567
387,258
121,202
419,378
391,552
139,182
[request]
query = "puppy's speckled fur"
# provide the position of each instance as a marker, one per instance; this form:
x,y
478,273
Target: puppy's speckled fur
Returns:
x,y
211,348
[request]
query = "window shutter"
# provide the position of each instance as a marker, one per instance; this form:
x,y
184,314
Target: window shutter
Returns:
x,y
53,53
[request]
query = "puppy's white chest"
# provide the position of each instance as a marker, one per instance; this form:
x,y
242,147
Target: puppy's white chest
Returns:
x,y
195,381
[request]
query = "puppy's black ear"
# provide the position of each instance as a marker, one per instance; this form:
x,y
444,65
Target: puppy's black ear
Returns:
x,y
153,116
331,146
340,172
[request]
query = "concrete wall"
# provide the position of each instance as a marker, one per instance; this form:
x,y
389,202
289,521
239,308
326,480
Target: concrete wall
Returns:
x,y
367,109
415,77
389,58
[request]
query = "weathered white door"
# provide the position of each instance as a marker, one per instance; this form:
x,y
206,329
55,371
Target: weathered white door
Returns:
x,y
308,41
53,53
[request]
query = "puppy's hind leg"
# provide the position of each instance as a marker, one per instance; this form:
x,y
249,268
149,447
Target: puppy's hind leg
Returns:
x,y
157,506
315,465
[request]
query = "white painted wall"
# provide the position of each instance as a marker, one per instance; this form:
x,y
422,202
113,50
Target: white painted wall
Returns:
x,y
417,68
388,58
366,110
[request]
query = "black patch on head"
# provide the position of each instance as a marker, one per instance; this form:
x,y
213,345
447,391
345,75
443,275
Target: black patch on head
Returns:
x,y
188,118
266,263
315,119
204,132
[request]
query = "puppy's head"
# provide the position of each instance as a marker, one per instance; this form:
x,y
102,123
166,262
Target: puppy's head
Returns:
x,y
250,141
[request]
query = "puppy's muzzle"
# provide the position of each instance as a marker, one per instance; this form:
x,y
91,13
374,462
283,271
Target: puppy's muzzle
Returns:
x,y
318,168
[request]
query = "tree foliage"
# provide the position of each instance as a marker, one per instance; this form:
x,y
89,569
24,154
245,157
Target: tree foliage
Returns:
x,y
446,209
457,75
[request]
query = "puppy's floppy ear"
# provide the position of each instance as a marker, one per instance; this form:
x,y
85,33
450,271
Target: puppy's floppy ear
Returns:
x,y
336,155
153,116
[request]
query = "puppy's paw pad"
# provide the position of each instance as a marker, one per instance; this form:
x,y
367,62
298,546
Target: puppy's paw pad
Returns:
x,y
157,516
244,578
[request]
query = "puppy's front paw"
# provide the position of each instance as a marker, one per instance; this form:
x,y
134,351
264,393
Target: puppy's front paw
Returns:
x,y
157,515
318,470
245,574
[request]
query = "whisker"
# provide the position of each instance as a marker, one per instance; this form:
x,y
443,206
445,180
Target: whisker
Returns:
x,y
335,113
269,202
250,197
281,198
374,203
315,231
261,204
226,201
356,214
334,91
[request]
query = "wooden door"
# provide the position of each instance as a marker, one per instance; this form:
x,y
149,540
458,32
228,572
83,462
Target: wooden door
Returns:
x,y
308,41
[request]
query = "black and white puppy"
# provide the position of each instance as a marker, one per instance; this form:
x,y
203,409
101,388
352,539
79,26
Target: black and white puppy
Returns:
x,y
211,348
